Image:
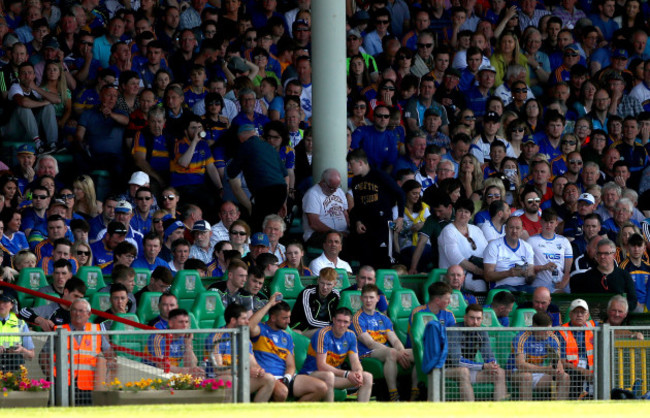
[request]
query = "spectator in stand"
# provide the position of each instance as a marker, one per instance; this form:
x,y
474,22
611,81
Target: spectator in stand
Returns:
x,y
202,248
228,213
161,281
315,305
325,208
103,249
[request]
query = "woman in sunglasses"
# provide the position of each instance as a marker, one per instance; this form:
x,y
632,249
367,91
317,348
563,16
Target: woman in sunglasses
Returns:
x,y
240,233
494,190
82,252
459,242
515,134
67,196
568,144
169,201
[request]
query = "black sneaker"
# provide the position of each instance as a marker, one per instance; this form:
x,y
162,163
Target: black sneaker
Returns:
x,y
47,149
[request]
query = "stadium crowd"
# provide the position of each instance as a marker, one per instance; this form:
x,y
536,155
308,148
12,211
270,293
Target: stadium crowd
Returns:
x,y
504,141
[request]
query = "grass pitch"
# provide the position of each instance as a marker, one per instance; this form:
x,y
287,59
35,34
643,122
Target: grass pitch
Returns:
x,y
348,409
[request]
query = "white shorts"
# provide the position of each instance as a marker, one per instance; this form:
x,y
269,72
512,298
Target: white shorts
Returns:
x,y
536,378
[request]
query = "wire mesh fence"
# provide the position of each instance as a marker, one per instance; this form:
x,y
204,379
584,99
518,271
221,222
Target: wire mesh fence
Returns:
x,y
484,363
540,363
629,365
90,367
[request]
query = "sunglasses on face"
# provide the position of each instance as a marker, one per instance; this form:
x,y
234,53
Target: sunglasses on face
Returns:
x,y
382,115
84,253
571,55
68,196
517,130
39,197
240,233
147,198
578,162
425,45
169,197
568,142
494,195
519,91
535,200
359,106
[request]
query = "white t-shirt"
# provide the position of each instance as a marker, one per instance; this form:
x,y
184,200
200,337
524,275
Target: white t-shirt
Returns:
x,y
330,209
453,248
504,257
490,231
557,250
322,261
16,89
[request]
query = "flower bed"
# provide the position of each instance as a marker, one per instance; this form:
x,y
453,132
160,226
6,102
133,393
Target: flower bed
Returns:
x,y
176,390
18,390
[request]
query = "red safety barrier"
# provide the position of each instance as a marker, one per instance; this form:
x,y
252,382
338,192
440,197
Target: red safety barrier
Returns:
x,y
106,315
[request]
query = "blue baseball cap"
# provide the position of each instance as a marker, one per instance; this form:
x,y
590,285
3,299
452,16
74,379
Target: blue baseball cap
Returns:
x,y
26,149
260,238
246,127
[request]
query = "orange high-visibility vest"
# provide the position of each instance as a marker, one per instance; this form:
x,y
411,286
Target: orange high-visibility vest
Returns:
x,y
85,357
572,345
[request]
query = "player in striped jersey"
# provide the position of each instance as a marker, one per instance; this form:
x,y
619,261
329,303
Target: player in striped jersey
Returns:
x,y
534,361
328,349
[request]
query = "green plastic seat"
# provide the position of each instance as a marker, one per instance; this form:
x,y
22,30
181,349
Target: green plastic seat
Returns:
x,y
387,281
457,304
131,341
208,310
287,282
93,278
420,321
300,347
490,318
523,317
402,303
342,280
100,301
350,299
148,306
42,301
491,293
33,279
434,276
186,287
142,278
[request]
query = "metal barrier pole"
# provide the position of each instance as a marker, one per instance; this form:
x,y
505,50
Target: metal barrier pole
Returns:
x,y
243,366
603,370
61,352
436,385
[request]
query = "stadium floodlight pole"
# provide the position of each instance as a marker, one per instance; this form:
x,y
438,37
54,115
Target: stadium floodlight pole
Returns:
x,y
329,87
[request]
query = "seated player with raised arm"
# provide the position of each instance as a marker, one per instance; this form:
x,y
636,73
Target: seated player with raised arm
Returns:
x,y
273,350
377,339
328,349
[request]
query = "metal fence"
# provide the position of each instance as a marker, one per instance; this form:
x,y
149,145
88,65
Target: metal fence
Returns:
x,y
165,359
526,364
212,360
